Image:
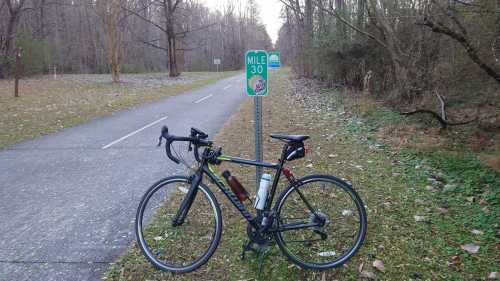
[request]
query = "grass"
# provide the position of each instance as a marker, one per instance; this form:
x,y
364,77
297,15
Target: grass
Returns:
x,y
451,194
46,105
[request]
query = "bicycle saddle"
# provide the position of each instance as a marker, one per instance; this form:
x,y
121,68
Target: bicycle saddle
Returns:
x,y
292,138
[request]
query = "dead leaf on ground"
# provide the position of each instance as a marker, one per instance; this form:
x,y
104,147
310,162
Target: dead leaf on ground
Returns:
x,y
494,275
471,248
360,267
378,264
421,219
368,274
455,260
477,232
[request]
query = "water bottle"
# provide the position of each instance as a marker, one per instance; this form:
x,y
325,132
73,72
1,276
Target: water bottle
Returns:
x,y
260,200
236,186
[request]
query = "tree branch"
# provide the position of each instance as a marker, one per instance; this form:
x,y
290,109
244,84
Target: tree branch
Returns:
x,y
149,43
145,19
346,22
295,9
181,33
469,48
177,2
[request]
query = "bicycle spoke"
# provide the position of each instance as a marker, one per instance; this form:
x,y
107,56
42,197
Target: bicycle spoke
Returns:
x,y
178,247
334,214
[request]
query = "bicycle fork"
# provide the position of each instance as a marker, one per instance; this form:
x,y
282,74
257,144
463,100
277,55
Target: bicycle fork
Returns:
x,y
187,201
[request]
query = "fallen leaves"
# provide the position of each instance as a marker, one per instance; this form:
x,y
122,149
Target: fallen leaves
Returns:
x,y
494,275
368,275
421,218
378,264
477,232
471,248
455,260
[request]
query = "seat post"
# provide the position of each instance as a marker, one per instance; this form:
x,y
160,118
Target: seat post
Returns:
x,y
283,152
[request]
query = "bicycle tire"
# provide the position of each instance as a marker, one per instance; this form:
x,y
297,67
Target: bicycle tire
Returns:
x,y
286,248
141,222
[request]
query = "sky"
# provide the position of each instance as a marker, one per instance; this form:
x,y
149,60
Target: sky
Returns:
x,y
270,11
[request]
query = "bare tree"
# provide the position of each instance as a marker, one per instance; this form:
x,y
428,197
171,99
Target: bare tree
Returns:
x,y
109,11
168,9
459,33
14,11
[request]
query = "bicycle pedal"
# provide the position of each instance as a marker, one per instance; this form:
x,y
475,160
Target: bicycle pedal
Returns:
x,y
246,247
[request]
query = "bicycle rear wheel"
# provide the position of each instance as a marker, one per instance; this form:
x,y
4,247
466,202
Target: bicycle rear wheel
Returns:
x,y
339,217
181,248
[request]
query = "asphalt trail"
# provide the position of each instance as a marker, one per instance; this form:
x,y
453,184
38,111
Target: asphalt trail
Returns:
x,y
68,200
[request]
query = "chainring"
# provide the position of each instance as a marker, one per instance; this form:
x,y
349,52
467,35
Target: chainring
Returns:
x,y
258,238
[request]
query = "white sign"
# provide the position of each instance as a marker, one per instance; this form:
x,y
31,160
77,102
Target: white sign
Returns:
x,y
217,61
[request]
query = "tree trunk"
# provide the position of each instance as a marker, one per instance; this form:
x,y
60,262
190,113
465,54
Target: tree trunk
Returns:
x,y
109,10
171,37
14,12
360,15
340,8
393,47
308,37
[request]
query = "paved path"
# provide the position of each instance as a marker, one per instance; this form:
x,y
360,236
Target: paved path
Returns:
x,y
68,200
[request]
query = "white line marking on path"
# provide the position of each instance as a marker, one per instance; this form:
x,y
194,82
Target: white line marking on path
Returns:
x,y
202,99
133,133
227,87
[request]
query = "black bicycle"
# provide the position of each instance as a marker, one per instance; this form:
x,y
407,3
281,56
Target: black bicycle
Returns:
x,y
318,221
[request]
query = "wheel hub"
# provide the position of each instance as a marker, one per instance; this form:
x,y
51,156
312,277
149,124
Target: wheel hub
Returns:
x,y
319,218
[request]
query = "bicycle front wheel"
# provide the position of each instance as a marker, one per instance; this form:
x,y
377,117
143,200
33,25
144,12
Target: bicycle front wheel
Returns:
x,y
181,248
321,222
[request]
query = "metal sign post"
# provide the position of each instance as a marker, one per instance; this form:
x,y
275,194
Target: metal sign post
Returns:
x,y
256,73
258,137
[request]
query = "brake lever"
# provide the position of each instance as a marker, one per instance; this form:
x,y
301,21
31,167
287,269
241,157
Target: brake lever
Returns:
x,y
164,131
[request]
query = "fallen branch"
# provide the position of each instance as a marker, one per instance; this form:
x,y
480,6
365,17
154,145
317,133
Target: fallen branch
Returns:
x,y
444,123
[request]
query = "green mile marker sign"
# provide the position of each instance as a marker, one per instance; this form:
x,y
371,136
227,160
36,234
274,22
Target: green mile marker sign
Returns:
x,y
256,69
274,59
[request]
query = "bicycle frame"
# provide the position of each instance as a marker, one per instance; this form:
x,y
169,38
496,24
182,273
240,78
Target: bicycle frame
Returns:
x,y
205,168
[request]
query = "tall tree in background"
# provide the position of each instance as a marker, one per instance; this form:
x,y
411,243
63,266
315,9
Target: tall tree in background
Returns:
x,y
109,11
169,7
169,28
7,37
417,53
124,36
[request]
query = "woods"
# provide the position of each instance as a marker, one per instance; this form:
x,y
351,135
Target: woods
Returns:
x,y
131,36
406,52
